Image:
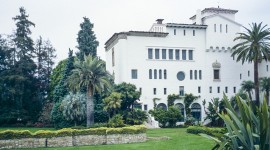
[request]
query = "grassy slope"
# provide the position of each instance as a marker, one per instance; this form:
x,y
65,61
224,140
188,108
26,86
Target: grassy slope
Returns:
x,y
180,140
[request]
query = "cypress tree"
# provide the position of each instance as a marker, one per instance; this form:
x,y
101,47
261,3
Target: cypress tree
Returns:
x,y
87,43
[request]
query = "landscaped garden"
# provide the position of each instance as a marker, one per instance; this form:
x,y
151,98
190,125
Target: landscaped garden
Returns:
x,y
159,139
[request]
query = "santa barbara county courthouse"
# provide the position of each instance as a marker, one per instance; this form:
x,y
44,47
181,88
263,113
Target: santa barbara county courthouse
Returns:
x,y
176,58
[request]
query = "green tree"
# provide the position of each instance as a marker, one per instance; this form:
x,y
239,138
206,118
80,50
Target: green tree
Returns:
x,y
129,95
265,86
214,107
90,73
73,107
248,86
87,43
112,103
253,47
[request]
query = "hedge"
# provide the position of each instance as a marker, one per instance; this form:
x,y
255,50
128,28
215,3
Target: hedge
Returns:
x,y
217,132
17,134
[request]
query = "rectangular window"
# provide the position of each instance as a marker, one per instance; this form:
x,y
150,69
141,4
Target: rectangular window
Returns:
x,y
155,91
218,89
165,91
156,53
181,91
234,89
191,75
184,52
165,74
216,74
134,74
184,32
248,73
113,57
200,74
210,89
240,76
145,107
220,28
199,89
150,53
195,74
267,68
150,73
170,53
193,32
177,54
226,28
190,54
164,53
160,74
215,28
141,90
174,31
226,89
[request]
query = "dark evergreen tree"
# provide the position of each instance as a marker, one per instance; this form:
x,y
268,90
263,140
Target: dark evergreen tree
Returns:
x,y
59,92
87,43
45,55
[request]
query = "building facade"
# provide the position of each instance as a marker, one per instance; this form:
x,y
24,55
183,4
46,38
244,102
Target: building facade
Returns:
x,y
173,58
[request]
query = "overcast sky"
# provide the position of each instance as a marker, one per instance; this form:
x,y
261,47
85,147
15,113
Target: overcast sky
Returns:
x,y
59,20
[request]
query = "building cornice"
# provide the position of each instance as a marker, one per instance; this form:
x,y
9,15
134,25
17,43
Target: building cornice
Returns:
x,y
216,10
123,35
179,25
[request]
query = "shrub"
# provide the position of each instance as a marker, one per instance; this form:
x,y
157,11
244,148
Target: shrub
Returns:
x,y
190,121
136,117
15,134
116,121
216,132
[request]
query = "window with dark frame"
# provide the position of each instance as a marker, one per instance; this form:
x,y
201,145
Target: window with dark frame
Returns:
x,y
156,53
163,53
134,74
184,53
181,91
150,73
160,74
193,32
216,74
234,89
165,91
171,54
177,54
200,74
190,74
155,74
226,89
210,89
174,31
165,73
195,74
150,53
199,89
218,89
155,91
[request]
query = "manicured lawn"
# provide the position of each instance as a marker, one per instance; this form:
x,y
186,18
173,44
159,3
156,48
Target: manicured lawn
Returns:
x,y
179,140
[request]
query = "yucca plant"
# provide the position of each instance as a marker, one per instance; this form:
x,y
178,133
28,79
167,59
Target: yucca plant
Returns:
x,y
248,129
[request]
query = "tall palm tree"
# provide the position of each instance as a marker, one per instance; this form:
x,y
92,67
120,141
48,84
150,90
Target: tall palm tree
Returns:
x,y
253,47
90,73
113,102
248,86
265,85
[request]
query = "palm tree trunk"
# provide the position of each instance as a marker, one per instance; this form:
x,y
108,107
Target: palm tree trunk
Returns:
x,y
249,95
256,82
90,106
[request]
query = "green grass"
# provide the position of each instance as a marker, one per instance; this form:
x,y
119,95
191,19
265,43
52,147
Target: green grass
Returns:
x,y
180,140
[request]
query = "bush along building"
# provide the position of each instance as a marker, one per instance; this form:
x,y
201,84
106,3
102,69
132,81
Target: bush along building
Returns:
x,y
176,58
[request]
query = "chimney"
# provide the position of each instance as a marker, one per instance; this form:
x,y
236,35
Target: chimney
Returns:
x,y
159,21
198,17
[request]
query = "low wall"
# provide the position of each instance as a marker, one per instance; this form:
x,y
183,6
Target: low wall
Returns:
x,y
72,141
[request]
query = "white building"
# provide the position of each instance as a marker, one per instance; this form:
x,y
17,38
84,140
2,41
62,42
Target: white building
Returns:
x,y
173,58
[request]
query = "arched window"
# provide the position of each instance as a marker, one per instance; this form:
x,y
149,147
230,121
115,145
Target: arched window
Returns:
x,y
181,107
155,74
196,111
195,74
162,106
150,73
160,74
165,74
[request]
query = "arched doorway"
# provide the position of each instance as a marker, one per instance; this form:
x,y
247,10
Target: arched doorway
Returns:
x,y
162,106
196,111
181,107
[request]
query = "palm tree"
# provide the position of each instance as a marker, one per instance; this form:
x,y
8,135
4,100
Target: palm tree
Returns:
x,y
113,102
253,47
90,73
265,85
248,86
73,107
